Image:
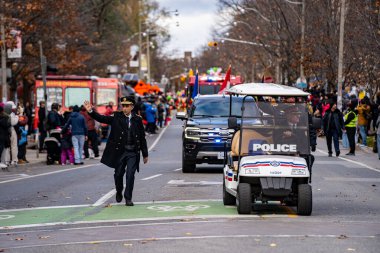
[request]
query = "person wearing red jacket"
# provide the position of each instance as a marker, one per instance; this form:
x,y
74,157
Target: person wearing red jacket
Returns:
x,y
92,140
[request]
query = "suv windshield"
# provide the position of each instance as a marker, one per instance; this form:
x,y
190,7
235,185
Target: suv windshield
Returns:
x,y
219,106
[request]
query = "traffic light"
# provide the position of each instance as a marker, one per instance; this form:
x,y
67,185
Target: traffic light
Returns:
x,y
212,44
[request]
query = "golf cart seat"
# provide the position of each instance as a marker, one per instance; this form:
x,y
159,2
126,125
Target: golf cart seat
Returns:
x,y
249,137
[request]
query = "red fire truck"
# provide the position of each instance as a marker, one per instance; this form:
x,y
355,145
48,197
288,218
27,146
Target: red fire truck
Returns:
x,y
74,90
210,84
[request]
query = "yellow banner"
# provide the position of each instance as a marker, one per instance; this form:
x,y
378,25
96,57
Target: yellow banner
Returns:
x,y
61,83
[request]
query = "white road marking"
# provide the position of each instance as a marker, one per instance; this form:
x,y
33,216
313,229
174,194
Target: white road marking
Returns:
x,y
41,208
104,198
178,169
194,237
158,138
154,176
182,182
351,161
7,176
4,217
48,173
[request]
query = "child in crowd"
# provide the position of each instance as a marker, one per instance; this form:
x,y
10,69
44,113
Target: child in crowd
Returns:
x,y
66,148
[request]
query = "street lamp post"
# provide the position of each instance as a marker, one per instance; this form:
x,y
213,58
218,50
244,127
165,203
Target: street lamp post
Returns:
x,y
43,73
340,56
148,55
3,60
140,38
302,38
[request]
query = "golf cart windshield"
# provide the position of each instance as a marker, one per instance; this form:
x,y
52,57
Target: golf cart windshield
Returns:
x,y
283,127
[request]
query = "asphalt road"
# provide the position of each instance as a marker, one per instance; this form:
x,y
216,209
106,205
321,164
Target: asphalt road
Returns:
x,y
72,209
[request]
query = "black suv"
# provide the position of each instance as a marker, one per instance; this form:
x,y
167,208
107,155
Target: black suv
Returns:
x,y
206,130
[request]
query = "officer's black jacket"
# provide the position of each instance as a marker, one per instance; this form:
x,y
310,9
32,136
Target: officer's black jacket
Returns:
x,y
117,140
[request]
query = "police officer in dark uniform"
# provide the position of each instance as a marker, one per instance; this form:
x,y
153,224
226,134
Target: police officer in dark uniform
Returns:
x,y
126,140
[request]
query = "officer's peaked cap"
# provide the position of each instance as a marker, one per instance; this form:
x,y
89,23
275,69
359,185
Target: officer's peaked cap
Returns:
x,y
128,100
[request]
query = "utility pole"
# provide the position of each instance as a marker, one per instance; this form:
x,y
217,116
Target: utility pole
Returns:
x,y
302,75
148,55
140,39
43,73
340,56
3,60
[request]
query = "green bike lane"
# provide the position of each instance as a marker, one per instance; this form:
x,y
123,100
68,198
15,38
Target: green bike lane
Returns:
x,y
66,215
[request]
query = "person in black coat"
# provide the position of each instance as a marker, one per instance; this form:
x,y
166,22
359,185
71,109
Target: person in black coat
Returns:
x,y
125,142
54,119
42,124
333,127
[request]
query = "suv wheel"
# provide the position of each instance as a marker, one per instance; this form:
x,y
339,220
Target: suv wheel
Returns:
x,y
187,167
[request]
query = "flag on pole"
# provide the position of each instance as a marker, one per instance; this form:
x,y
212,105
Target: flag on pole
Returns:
x,y
196,85
226,82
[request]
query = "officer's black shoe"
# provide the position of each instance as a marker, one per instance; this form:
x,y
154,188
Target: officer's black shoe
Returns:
x,y
337,153
129,203
119,197
330,154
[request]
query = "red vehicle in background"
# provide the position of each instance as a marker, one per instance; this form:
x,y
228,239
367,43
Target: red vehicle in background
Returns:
x,y
106,91
64,90
73,90
210,84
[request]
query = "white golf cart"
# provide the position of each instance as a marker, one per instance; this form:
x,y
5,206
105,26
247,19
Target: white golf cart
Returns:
x,y
270,156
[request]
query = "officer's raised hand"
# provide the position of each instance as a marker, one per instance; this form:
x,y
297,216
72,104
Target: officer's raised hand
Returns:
x,y
87,105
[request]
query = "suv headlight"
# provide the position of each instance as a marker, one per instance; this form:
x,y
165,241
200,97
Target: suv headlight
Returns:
x,y
192,133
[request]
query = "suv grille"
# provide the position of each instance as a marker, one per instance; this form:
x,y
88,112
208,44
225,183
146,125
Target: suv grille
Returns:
x,y
214,134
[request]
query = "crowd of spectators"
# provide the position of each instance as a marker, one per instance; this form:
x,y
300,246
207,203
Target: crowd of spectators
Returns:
x,y
356,123
80,134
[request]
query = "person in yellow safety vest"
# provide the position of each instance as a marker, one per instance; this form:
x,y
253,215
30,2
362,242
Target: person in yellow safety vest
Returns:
x,y
350,121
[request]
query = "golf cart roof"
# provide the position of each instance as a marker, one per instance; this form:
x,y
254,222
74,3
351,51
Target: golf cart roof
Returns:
x,y
265,89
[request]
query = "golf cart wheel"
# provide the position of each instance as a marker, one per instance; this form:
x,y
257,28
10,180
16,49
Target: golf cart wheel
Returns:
x,y
228,199
305,199
244,199
186,166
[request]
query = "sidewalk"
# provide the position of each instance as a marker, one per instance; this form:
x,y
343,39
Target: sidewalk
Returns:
x,y
363,155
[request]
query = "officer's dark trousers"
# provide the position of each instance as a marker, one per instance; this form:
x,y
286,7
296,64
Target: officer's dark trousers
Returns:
x,y
128,165
351,131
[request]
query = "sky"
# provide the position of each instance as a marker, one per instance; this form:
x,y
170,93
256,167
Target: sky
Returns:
x,y
196,19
